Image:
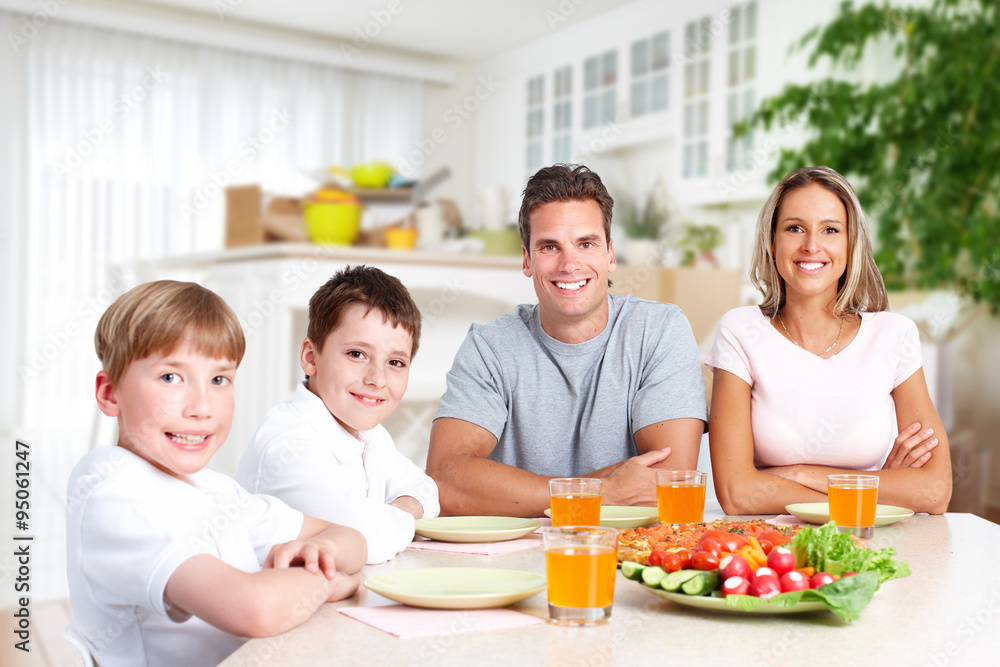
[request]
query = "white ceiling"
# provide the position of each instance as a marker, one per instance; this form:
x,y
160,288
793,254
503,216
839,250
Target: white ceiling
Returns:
x,y
466,30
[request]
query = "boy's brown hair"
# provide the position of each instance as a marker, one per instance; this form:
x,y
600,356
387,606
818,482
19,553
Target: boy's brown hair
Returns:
x,y
154,318
367,285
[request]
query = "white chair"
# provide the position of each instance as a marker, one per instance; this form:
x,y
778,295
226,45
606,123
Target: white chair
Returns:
x,y
74,638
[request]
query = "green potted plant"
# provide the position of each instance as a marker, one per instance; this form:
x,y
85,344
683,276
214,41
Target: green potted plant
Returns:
x,y
645,227
920,146
697,243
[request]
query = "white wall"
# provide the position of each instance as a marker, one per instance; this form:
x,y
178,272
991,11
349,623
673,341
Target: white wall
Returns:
x,y
447,139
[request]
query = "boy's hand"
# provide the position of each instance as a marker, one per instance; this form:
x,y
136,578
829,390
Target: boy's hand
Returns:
x,y
344,587
409,504
314,554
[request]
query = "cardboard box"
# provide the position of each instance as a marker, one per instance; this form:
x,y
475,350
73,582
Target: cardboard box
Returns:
x,y
705,295
243,216
248,222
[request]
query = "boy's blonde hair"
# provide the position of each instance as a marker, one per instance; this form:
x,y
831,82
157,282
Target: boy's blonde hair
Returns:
x,y
154,318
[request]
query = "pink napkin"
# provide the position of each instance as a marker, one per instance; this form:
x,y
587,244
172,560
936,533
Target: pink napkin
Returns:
x,y
787,520
409,622
477,548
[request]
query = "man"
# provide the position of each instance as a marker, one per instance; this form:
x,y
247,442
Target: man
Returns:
x,y
582,384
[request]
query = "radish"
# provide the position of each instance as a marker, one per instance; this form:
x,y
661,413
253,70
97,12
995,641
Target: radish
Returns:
x,y
821,579
765,586
793,581
735,566
735,586
781,560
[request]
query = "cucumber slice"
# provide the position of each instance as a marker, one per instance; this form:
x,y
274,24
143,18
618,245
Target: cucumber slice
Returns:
x,y
651,576
703,584
673,581
632,570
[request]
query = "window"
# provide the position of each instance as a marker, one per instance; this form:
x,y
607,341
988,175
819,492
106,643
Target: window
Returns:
x,y
650,79
562,114
697,52
535,124
742,64
600,79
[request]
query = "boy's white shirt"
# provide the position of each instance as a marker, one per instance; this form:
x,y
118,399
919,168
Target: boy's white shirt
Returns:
x,y
302,455
129,526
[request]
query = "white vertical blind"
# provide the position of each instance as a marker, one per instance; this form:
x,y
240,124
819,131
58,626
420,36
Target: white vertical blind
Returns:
x,y
126,142
114,148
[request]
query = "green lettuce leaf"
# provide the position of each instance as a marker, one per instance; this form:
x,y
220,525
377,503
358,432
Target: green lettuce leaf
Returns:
x,y
845,597
831,551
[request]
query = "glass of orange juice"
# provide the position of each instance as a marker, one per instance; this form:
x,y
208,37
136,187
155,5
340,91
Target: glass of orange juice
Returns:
x,y
575,501
852,503
680,495
580,565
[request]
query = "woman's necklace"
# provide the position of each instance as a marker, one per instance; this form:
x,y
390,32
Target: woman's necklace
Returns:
x,y
842,320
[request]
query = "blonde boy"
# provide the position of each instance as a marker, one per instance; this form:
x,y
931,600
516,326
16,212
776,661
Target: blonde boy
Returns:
x,y
324,451
170,563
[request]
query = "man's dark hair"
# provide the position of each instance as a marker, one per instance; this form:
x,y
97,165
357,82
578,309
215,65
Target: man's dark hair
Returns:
x,y
563,182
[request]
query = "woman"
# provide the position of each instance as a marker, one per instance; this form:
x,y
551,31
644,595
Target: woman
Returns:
x,y
805,384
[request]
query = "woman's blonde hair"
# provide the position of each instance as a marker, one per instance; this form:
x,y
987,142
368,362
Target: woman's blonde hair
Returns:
x,y
860,289
156,317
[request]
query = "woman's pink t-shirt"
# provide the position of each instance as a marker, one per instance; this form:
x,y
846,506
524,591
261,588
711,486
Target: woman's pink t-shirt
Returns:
x,y
835,412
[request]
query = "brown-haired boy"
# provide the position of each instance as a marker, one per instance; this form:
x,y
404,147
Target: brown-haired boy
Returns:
x,y
165,557
324,450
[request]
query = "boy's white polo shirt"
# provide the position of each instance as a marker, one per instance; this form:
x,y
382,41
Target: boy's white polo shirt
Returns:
x,y
302,455
129,526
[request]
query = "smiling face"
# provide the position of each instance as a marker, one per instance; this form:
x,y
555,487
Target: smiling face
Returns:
x,y
174,410
362,372
569,263
810,243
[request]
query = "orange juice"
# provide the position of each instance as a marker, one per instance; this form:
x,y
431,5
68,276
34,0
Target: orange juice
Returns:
x,y
575,509
680,503
853,505
581,576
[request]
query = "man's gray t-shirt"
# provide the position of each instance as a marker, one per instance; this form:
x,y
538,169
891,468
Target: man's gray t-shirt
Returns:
x,y
569,409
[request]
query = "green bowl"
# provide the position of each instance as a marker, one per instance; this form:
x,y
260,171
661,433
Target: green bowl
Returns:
x,y
499,241
371,175
334,224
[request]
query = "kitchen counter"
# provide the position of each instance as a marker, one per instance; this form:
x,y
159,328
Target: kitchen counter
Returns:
x,y
946,613
331,253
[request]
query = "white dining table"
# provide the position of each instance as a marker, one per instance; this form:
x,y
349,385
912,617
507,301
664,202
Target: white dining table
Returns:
x,y
947,612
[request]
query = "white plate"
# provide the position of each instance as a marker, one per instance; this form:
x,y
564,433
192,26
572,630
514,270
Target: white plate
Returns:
x,y
719,604
819,513
457,587
475,528
624,516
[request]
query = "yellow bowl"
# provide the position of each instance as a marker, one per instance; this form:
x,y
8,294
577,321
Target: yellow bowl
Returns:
x,y
333,223
371,175
401,238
